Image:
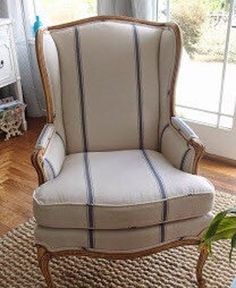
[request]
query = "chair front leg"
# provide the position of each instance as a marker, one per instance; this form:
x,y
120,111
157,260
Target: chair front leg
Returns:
x,y
43,260
200,264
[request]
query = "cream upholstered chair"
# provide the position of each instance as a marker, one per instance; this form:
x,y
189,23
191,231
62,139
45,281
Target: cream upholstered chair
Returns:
x,y
115,165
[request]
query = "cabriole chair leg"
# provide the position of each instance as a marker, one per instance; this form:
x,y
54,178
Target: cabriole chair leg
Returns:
x,y
44,256
200,264
43,260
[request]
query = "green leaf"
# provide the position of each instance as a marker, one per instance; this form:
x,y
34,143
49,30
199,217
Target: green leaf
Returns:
x,y
225,230
214,225
225,234
233,245
223,226
227,223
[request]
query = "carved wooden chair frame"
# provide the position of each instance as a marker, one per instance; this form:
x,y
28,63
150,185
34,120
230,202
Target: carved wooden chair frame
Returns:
x,y
44,256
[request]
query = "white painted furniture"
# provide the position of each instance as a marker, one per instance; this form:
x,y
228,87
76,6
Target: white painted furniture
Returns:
x,y
9,70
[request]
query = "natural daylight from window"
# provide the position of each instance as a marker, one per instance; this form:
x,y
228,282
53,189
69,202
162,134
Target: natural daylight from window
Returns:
x,y
206,86
205,91
60,11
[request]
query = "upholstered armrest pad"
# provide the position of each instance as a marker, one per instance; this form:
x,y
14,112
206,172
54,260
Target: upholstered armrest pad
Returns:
x,y
183,128
51,150
181,146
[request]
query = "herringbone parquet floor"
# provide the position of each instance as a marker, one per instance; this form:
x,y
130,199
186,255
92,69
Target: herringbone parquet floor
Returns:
x,y
18,178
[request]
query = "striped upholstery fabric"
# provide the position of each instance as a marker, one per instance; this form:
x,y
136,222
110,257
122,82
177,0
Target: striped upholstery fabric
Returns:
x,y
45,136
110,188
183,155
53,69
53,144
126,240
122,189
183,128
110,86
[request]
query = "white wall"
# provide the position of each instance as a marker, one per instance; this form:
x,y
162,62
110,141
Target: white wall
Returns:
x,y
219,142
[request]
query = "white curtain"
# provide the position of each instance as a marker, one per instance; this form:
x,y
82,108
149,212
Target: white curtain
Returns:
x,y
144,9
31,84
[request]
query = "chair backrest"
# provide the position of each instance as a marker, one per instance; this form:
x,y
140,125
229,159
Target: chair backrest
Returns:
x,y
109,81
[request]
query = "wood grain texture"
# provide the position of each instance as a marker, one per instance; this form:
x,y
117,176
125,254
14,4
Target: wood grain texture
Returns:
x,y
18,178
220,173
44,257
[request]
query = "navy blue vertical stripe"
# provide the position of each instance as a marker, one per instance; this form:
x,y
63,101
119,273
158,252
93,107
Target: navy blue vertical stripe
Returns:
x,y
51,167
90,198
62,140
139,88
42,134
162,134
162,189
141,130
184,159
81,87
163,193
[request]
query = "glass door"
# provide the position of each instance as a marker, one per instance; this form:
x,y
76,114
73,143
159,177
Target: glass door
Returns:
x,y
206,90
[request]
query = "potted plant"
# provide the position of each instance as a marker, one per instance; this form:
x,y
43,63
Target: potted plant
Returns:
x,y
223,226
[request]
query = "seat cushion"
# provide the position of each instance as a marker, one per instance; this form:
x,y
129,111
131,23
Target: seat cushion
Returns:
x,y
120,190
125,240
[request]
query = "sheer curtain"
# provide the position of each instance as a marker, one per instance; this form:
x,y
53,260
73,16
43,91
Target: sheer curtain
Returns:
x,y
22,19
144,9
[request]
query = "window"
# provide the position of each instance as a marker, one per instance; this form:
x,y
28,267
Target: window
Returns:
x,y
55,12
206,86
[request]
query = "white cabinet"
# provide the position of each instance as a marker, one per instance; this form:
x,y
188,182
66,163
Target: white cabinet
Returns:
x,y
9,70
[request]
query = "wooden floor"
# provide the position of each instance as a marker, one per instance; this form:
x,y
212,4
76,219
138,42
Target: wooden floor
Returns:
x,y
18,178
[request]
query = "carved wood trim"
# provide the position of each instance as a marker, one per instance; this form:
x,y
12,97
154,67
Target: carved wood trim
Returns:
x,y
38,154
44,73
107,18
171,92
44,257
37,162
198,147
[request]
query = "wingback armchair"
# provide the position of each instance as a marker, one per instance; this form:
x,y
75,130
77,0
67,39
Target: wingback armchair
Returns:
x,y
116,167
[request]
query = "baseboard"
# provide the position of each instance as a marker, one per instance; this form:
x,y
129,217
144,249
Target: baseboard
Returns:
x,y
219,158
